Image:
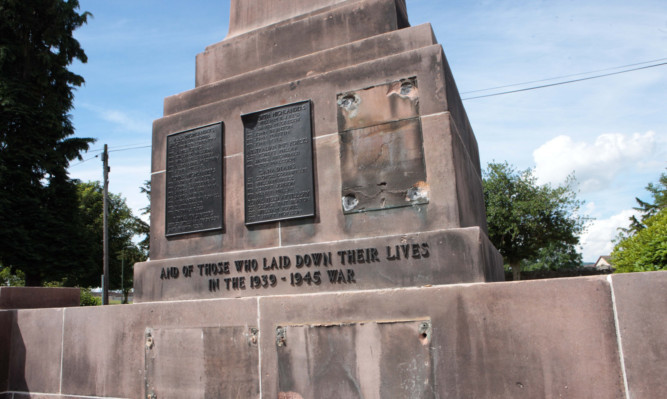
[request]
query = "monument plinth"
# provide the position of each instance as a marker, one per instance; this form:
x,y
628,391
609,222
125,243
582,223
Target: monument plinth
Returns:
x,y
347,161
316,199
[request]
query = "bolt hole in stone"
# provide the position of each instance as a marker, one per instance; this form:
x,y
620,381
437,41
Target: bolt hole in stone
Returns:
x,y
406,88
424,338
350,202
425,333
348,101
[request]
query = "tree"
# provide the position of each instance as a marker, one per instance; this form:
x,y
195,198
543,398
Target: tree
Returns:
x,y
38,212
643,247
648,209
11,280
525,218
555,256
123,227
143,227
645,250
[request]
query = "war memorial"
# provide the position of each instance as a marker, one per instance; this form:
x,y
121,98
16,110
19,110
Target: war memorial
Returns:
x,y
318,231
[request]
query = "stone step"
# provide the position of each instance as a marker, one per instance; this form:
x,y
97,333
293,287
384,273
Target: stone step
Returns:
x,y
342,56
345,23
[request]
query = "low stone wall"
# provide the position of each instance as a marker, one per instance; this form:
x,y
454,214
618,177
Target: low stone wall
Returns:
x,y
38,297
586,337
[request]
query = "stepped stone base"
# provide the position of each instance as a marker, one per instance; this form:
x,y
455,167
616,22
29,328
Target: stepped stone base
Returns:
x,y
38,297
588,337
410,260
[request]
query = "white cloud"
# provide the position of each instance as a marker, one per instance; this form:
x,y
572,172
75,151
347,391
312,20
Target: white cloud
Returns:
x,y
125,121
597,239
595,164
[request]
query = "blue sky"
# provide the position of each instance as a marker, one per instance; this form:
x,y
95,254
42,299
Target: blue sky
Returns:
x,y
611,132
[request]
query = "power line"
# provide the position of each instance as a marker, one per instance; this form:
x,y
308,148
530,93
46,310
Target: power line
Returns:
x,y
566,82
85,160
119,149
564,76
131,148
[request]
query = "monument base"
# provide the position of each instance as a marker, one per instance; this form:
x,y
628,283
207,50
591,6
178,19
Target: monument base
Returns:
x,y
38,297
587,337
406,260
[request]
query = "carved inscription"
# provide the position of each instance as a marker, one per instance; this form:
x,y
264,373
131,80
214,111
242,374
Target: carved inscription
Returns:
x,y
300,270
194,181
278,161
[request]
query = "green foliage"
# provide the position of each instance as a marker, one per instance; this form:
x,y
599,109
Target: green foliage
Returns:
x,y
123,227
38,212
9,279
643,247
649,209
143,227
88,299
645,250
555,256
528,222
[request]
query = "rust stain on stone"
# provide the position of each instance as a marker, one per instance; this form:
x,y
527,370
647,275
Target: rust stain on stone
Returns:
x,y
289,395
418,192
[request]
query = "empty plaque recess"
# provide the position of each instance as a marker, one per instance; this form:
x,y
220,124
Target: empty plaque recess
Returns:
x,y
201,363
381,148
356,360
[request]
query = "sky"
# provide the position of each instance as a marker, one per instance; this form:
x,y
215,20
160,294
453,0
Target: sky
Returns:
x,y
610,132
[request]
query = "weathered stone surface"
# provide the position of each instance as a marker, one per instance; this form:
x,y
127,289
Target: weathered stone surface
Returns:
x,y
537,339
357,360
641,303
6,324
329,224
425,63
18,395
321,89
383,103
198,363
105,347
444,184
343,56
542,339
428,258
38,297
330,27
36,350
383,167
247,15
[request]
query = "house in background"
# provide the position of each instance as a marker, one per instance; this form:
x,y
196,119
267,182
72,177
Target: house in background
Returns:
x,y
603,263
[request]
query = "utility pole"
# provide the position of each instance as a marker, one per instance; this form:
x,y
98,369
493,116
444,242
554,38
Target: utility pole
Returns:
x,y
105,233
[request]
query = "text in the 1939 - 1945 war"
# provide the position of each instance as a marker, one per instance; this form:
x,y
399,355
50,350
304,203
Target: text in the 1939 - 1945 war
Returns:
x,y
296,270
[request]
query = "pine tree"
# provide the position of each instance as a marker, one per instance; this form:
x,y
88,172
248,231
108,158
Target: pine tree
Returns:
x,y
38,201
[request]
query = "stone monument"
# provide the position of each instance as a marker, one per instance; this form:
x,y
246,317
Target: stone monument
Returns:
x,y
325,148
318,232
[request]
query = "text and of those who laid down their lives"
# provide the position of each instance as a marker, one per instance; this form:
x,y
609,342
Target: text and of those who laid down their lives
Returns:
x,y
312,269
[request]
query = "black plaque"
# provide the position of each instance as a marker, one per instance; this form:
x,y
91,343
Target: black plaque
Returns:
x,y
194,181
278,164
